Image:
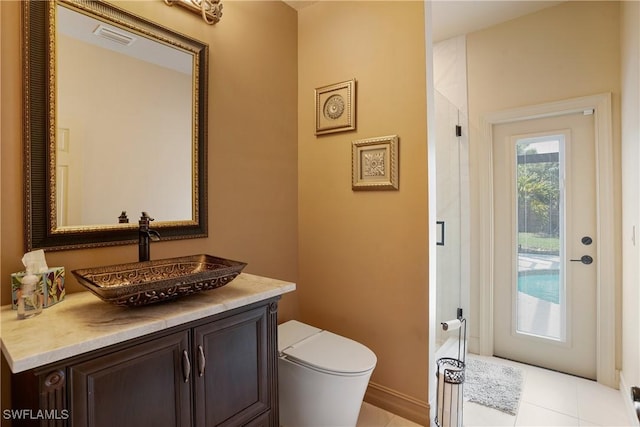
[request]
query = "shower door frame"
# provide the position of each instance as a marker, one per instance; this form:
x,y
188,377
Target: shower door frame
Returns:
x,y
605,210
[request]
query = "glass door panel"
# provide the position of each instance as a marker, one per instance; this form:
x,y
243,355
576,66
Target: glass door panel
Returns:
x,y
540,295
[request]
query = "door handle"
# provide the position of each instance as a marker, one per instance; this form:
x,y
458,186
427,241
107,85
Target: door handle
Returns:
x,y
186,366
585,259
201,361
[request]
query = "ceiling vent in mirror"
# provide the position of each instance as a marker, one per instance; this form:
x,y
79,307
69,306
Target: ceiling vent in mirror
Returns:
x,y
114,35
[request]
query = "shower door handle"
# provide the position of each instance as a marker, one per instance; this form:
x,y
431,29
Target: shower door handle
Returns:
x,y
585,259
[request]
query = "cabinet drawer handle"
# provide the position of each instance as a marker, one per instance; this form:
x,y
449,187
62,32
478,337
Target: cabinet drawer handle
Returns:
x,y
201,361
186,366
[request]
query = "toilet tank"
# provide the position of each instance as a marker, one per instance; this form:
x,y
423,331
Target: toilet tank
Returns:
x,y
292,332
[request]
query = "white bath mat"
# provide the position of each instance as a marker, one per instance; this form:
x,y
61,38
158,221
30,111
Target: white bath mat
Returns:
x,y
493,385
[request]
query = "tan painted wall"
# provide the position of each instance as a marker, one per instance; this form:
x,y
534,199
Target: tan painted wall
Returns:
x,y
5,24
252,145
561,52
363,255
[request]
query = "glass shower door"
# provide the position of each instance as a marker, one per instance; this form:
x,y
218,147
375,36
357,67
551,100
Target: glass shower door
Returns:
x,y
451,179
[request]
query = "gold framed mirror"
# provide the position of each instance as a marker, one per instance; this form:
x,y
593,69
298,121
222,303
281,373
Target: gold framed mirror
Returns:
x,y
115,123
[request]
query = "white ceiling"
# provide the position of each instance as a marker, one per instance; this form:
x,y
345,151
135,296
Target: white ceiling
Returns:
x,y
452,18
456,17
81,27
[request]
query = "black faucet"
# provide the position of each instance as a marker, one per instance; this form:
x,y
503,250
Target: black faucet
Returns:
x,y
144,235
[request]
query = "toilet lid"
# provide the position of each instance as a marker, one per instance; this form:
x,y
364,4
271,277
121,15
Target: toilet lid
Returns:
x,y
292,332
329,352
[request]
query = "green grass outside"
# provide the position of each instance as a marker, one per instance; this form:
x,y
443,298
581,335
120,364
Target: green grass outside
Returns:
x,y
533,241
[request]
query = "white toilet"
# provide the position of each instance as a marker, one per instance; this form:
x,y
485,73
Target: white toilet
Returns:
x,y
322,377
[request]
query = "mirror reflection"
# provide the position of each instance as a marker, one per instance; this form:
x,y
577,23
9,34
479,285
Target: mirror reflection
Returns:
x,y
115,121
124,124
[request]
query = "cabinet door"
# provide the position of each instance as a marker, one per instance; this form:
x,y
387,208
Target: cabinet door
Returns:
x,y
262,421
232,387
145,385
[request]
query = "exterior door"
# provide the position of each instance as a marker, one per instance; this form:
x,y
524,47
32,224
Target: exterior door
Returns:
x,y
544,243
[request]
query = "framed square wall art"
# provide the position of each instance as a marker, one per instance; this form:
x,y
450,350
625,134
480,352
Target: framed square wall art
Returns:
x,y
336,107
374,163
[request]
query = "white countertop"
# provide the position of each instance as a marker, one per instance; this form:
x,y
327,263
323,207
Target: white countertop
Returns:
x,y
82,322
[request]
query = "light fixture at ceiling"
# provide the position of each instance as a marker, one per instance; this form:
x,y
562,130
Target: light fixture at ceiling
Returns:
x,y
211,10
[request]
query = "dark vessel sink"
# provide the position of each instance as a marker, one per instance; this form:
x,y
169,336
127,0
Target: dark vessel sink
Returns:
x,y
142,283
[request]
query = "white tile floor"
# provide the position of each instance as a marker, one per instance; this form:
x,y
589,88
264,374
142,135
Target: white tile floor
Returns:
x,y
548,399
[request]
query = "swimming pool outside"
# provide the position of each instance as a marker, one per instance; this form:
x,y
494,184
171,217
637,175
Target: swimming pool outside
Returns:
x,y
539,312
542,284
527,262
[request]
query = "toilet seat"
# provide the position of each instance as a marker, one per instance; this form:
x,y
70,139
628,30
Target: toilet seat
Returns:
x,y
324,351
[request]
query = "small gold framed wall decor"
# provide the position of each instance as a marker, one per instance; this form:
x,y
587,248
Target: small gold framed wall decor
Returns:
x,y
336,107
374,163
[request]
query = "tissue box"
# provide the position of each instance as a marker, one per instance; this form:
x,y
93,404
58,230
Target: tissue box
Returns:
x,y
51,283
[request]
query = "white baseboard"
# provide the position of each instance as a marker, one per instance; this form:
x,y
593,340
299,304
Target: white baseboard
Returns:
x,y
625,389
398,403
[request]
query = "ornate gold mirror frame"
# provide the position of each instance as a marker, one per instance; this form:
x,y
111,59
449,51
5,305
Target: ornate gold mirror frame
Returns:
x,y
39,61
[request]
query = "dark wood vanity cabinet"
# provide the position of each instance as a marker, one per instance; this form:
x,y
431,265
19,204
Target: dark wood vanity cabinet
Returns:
x,y
142,385
233,386
218,371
